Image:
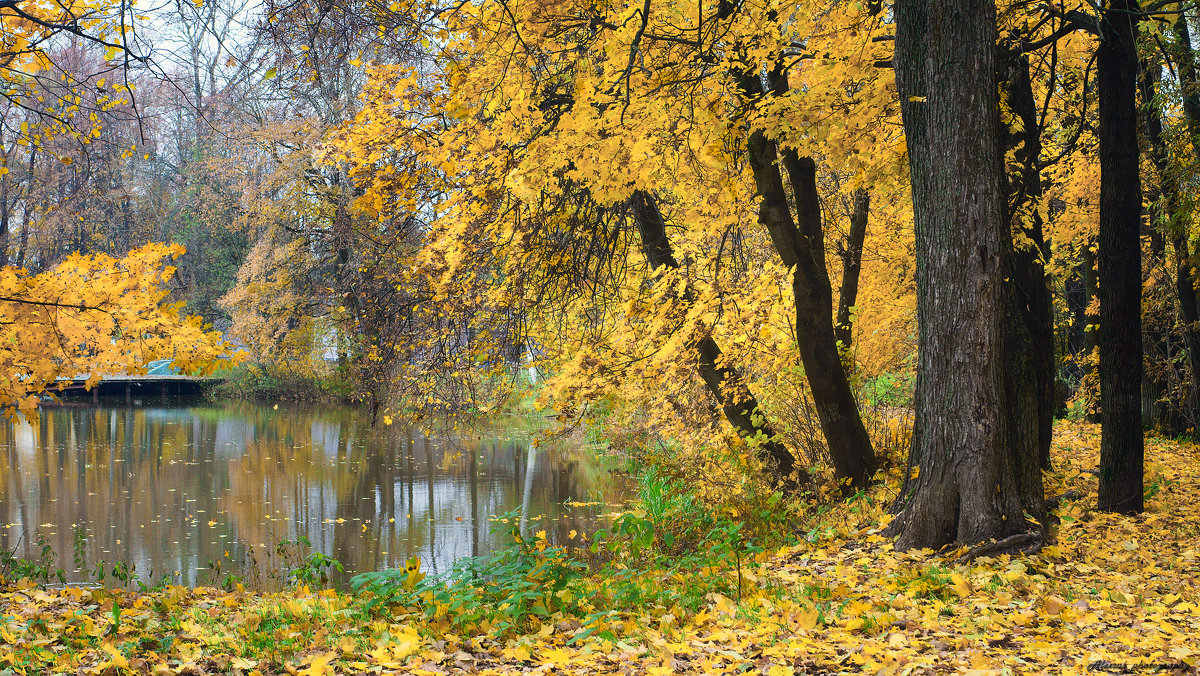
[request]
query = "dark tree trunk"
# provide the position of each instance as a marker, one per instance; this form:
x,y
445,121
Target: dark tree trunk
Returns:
x,y
1172,417
800,243
1119,263
23,240
1091,333
1023,193
726,385
969,446
843,328
1185,273
1077,298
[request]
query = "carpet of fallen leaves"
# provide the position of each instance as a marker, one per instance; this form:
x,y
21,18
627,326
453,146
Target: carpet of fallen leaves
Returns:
x,y
1112,594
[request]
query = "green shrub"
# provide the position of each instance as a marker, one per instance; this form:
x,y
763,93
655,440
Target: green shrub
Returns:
x,y
503,591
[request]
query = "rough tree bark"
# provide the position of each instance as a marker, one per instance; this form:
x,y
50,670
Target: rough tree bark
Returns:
x,y
843,328
1119,263
800,243
1023,191
969,484
723,381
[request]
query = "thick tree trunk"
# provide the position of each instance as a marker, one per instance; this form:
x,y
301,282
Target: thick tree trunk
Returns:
x,y
1119,263
970,483
726,385
1023,192
843,328
801,245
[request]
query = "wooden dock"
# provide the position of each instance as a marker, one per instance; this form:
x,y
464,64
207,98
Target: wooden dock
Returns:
x,y
139,387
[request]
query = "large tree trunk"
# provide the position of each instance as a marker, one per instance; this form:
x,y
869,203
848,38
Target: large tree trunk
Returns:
x,y
802,248
723,381
843,329
970,482
1119,263
1023,193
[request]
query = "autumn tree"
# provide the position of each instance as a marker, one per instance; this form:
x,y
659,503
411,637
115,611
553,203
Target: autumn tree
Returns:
x,y
93,315
1171,53
557,220
335,291
1119,262
971,478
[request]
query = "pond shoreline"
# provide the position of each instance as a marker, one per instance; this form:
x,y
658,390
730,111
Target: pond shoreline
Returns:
x,y
222,492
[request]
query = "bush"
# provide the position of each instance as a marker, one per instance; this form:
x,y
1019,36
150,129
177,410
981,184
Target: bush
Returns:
x,y
261,382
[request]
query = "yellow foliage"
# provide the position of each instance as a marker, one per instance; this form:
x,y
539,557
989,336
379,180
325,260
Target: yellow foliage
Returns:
x,y
95,315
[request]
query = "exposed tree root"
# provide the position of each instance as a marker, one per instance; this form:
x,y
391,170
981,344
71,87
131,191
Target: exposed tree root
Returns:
x,y
1023,543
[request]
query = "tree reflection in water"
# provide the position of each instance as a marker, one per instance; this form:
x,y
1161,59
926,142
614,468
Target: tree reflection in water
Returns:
x,y
201,492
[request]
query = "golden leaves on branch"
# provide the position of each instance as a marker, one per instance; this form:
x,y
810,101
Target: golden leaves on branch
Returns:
x,y
95,315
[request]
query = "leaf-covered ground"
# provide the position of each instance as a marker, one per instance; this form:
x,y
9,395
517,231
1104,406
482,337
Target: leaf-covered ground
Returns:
x,y
1113,594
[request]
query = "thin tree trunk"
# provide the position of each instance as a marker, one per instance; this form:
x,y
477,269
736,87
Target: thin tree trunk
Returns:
x,y
5,207
801,245
23,240
1091,333
966,482
723,381
843,329
1185,273
1119,263
1167,223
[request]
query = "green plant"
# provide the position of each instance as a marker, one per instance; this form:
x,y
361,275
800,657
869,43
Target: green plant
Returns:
x,y
888,389
41,570
505,590
1157,482
315,569
79,542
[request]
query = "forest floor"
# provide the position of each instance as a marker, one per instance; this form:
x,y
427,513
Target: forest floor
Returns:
x,y
1112,594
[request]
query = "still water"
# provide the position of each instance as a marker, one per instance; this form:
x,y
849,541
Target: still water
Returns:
x,y
199,493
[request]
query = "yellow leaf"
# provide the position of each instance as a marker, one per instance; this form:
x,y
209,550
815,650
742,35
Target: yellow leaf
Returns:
x,y
555,657
117,659
961,586
319,666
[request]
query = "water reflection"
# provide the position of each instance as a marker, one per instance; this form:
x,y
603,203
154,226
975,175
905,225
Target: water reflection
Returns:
x,y
203,491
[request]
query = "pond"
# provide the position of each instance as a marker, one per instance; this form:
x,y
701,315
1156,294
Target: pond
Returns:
x,y
210,494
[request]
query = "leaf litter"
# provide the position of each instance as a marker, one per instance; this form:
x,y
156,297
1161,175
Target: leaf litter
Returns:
x,y
1110,594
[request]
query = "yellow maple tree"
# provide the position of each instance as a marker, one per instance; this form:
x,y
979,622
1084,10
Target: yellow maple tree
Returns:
x,y
95,315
